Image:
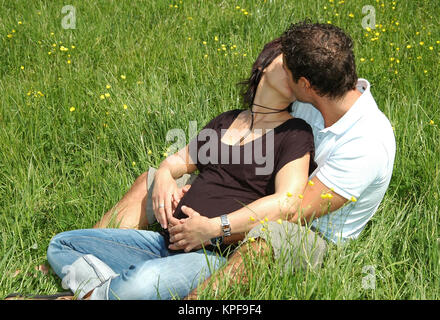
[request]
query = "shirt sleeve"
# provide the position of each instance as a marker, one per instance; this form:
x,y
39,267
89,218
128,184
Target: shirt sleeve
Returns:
x,y
296,143
352,168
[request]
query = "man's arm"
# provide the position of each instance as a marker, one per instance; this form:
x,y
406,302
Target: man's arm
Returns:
x,y
317,200
289,183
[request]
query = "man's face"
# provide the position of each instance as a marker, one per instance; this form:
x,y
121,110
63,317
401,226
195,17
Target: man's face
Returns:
x,y
296,87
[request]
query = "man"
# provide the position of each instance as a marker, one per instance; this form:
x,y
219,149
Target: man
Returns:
x,y
355,149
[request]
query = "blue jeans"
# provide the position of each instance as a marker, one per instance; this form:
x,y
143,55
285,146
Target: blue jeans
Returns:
x,y
127,264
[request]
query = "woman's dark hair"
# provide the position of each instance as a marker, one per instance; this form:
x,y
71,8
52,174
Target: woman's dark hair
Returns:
x,y
323,54
270,51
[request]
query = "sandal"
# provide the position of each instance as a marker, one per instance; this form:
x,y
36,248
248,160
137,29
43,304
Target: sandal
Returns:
x,y
57,296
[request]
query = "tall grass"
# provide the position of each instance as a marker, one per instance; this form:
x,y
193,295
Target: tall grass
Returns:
x,y
63,169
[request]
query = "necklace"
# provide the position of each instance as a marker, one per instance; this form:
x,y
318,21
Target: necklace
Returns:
x,y
252,118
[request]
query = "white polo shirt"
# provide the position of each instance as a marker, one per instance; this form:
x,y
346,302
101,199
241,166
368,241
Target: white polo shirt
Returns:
x,y
355,157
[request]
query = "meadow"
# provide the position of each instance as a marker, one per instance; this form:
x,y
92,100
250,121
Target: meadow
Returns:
x,y
86,102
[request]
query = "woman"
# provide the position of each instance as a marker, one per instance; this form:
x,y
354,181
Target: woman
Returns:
x,y
227,199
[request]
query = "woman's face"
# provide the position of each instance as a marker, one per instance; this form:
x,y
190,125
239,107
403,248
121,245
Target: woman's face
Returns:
x,y
278,77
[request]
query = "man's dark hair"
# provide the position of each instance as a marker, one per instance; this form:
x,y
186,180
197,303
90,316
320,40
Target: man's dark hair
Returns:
x,y
270,51
323,54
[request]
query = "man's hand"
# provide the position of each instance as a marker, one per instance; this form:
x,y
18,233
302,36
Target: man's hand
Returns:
x,y
193,231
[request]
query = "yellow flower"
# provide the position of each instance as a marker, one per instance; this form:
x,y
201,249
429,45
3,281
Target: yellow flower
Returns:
x,y
133,163
107,95
431,48
279,221
408,46
215,38
102,97
421,43
251,218
289,194
9,36
22,67
252,239
165,154
69,62
19,22
123,77
125,107
108,86
72,109
266,219
311,183
204,42
362,59
300,196
263,229
149,151
351,15
353,199
431,122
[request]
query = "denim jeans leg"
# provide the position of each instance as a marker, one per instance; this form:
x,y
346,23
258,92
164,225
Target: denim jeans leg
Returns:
x,y
85,259
127,264
171,277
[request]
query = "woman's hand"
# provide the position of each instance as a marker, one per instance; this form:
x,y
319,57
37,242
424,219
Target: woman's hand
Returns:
x,y
165,188
193,231
178,195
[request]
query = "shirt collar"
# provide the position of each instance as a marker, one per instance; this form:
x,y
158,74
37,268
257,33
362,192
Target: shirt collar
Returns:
x,y
357,110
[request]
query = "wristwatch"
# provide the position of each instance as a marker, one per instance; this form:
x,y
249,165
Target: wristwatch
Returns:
x,y
226,228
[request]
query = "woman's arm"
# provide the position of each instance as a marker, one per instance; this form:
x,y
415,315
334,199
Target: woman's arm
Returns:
x,y
290,182
165,187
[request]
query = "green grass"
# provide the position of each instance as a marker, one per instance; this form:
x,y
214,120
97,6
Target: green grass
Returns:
x,y
62,170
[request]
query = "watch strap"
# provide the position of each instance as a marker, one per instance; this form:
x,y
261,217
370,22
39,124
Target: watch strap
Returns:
x,y
226,227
